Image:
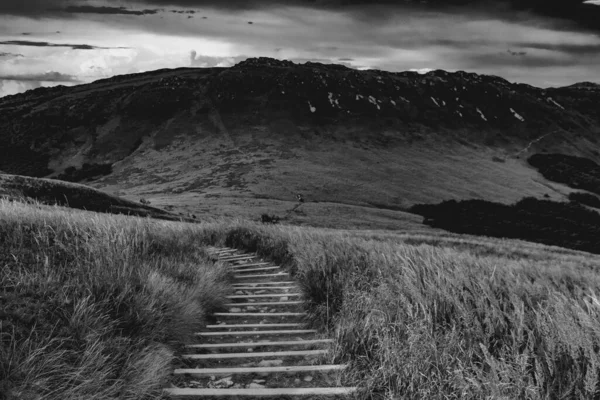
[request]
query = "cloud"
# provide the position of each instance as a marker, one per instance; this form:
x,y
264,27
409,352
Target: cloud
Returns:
x,y
108,10
51,76
516,53
47,44
3,54
203,61
584,13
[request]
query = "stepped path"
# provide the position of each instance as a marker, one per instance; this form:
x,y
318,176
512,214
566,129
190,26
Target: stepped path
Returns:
x,y
260,346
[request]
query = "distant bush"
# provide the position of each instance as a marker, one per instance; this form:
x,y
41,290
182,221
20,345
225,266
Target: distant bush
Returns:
x,y
561,224
576,172
269,219
587,199
87,171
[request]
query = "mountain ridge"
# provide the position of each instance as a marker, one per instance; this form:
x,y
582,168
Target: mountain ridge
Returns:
x,y
267,61
265,129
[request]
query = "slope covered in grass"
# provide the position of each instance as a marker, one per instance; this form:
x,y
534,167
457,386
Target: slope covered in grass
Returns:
x,y
49,191
444,316
89,302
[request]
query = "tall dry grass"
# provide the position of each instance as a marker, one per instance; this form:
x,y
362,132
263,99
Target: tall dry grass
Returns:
x,y
426,316
92,304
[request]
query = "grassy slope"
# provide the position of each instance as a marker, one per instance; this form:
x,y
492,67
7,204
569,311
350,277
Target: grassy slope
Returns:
x,y
90,301
208,175
49,191
445,316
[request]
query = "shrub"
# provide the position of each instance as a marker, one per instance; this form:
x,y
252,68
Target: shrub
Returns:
x,y
561,224
585,198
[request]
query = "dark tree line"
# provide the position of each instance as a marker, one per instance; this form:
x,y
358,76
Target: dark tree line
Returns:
x,y
567,225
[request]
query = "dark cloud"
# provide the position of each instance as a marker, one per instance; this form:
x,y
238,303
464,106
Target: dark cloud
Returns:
x,y
3,54
107,10
516,53
499,60
47,44
574,49
45,77
586,15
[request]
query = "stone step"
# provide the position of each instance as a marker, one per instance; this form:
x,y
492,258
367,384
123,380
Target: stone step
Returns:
x,y
268,288
250,265
259,344
260,314
251,296
265,303
230,326
262,392
290,369
256,333
236,258
235,285
277,275
222,356
254,269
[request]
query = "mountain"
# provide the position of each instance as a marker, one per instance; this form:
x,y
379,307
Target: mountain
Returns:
x,y
245,140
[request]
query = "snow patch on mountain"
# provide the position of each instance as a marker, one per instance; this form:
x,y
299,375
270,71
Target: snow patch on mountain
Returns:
x,y
481,114
517,116
551,100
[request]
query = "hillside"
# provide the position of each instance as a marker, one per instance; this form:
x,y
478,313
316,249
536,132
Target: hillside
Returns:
x,y
55,192
101,308
244,140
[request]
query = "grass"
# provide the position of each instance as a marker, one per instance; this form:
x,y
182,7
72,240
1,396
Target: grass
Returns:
x,y
95,300
56,192
462,318
335,177
93,304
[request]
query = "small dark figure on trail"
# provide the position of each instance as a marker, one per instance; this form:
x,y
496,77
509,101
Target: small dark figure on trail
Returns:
x,y
269,219
300,198
144,201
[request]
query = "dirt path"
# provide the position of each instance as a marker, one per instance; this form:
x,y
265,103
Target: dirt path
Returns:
x,y
260,347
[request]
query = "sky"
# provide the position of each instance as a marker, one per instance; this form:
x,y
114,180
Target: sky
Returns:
x,y
67,42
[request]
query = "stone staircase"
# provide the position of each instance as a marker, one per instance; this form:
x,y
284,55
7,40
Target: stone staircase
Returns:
x,y
260,347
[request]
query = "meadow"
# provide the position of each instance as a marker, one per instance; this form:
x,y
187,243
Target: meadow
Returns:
x,y
94,305
439,316
97,305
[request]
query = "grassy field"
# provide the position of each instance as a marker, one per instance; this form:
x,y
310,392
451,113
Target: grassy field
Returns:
x,y
207,174
94,304
431,316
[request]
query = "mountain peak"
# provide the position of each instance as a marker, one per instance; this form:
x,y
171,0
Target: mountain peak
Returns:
x,y
117,114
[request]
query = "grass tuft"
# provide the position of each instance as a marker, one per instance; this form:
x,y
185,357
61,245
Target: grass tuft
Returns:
x,y
92,303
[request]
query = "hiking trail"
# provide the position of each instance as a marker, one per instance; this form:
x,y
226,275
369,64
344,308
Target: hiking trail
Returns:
x,y
260,347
